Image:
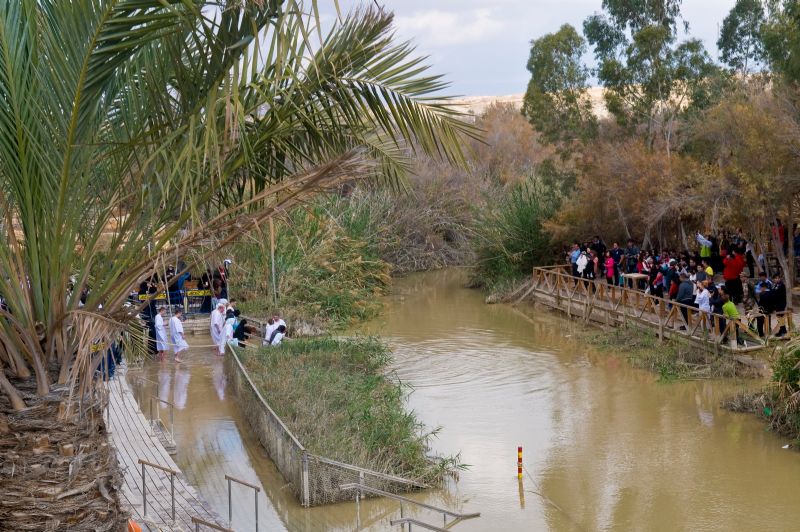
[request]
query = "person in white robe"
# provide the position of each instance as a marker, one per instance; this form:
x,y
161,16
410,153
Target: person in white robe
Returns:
x,y
179,343
217,323
278,335
228,333
161,333
221,339
268,330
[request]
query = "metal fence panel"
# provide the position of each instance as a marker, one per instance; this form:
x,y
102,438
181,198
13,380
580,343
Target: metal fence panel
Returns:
x,y
315,480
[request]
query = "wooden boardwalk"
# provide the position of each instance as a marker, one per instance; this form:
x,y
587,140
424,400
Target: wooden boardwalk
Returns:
x,y
613,305
134,440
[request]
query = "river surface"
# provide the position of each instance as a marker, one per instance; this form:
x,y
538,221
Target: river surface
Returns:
x,y
605,446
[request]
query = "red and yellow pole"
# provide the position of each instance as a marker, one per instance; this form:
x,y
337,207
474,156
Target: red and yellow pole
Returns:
x,y
519,462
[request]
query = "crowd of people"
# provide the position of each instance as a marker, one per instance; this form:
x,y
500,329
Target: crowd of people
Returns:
x,y
717,277
227,326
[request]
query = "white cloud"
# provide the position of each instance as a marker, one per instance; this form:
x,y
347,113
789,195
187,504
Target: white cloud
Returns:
x,y
447,28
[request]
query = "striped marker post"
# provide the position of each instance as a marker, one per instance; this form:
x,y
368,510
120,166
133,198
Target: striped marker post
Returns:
x,y
519,462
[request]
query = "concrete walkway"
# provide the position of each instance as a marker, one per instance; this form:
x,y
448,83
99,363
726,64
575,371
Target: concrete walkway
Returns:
x,y
133,440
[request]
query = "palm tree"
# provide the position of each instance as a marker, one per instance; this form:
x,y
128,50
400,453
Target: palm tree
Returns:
x,y
130,129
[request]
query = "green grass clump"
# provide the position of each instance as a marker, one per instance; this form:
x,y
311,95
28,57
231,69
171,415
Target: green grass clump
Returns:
x,y
328,270
512,237
673,359
778,403
334,395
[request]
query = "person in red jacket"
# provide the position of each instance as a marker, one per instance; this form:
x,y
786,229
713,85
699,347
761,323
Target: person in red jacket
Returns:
x,y
733,264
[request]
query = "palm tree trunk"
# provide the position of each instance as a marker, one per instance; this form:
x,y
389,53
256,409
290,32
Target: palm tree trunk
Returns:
x,y
15,362
13,395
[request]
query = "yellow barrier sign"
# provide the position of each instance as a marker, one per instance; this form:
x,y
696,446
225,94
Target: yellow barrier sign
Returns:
x,y
198,293
154,297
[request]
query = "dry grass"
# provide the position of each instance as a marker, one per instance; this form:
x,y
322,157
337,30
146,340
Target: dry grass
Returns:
x,y
42,486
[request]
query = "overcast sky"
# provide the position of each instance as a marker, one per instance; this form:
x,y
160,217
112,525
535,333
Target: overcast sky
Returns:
x,y
482,47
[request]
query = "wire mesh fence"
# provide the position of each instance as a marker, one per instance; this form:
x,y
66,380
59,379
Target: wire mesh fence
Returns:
x,y
315,480
283,447
326,476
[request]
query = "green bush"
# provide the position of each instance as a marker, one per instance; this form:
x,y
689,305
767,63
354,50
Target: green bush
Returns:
x,y
327,266
512,238
785,370
335,397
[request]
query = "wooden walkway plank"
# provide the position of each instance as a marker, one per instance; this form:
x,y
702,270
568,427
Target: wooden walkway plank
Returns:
x,y
666,317
134,439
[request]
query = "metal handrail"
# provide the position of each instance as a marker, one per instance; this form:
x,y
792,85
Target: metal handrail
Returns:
x,y
172,474
196,521
376,491
264,402
411,520
171,413
256,490
383,476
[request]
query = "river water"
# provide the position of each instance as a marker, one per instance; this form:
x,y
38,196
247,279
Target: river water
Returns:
x,y
605,446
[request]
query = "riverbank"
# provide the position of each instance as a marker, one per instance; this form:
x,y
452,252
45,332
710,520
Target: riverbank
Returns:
x,y
777,403
670,359
338,399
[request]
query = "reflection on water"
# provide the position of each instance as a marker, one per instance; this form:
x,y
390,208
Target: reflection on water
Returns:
x,y
605,446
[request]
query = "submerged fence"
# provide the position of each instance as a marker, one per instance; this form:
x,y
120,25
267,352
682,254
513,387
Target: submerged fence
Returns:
x,y
315,480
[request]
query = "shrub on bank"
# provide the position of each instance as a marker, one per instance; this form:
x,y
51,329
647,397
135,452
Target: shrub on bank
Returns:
x,y
328,270
511,237
779,402
335,397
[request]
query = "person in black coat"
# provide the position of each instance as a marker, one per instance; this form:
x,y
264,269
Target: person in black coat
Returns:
x,y
716,305
205,284
774,300
685,295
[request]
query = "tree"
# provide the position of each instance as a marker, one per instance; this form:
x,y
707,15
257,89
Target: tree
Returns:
x,y
652,82
636,15
510,149
144,117
740,43
649,80
754,138
556,101
781,35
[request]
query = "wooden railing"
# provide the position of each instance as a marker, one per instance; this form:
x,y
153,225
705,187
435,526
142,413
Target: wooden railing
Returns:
x,y
586,297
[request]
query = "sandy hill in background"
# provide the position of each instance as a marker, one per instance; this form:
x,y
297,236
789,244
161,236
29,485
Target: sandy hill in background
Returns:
x,y
476,105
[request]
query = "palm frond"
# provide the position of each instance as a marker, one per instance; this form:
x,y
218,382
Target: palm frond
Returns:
x,y
134,130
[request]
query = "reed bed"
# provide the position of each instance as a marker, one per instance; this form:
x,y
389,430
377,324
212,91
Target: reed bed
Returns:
x,y
337,399
673,359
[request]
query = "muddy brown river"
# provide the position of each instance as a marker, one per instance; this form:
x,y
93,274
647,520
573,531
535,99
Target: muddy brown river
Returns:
x,y
605,446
